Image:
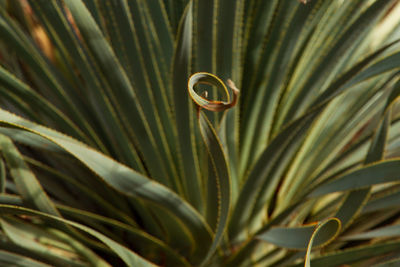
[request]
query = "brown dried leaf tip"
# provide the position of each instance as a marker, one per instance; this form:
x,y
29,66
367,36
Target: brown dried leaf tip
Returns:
x,y
303,1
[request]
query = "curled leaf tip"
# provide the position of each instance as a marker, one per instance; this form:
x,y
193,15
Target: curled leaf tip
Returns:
x,y
210,79
232,85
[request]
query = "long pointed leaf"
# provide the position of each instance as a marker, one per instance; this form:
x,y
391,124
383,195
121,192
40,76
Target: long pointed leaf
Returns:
x,y
128,256
120,177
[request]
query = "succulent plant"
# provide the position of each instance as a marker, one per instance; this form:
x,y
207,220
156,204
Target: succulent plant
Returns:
x,y
199,133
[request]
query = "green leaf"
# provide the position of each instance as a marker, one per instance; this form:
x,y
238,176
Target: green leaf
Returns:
x,y
260,175
28,185
10,199
75,55
222,180
128,25
12,259
37,102
291,185
30,139
346,40
175,10
377,173
40,66
146,240
388,201
303,237
128,106
386,64
391,231
128,256
138,235
324,233
271,60
390,263
355,201
55,249
121,178
184,111
25,180
349,256
3,178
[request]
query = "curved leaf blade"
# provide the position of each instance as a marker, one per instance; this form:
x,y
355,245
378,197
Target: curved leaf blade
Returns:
x,y
223,182
8,258
349,256
120,177
391,231
377,173
303,237
25,180
128,256
324,233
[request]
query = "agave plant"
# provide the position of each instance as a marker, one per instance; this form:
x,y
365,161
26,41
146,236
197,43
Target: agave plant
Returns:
x,y
125,140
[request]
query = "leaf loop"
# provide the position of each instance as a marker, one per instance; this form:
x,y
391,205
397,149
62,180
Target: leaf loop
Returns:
x,y
210,79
